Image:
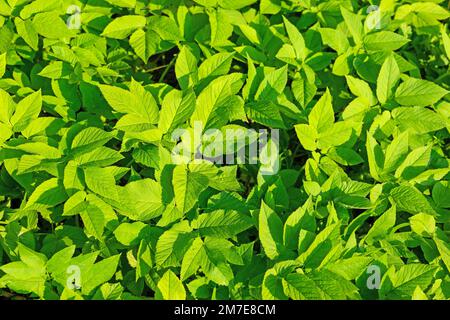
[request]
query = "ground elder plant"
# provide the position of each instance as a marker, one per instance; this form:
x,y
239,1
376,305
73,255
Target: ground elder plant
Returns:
x,y
224,149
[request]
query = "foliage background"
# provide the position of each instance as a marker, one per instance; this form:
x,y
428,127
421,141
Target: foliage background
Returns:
x,y
86,178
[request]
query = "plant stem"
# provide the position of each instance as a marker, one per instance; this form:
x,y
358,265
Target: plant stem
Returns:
x,y
166,70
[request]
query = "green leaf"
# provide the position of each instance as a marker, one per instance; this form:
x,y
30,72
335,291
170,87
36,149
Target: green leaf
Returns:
x,y
216,267
272,288
335,39
99,273
415,162
384,40
5,133
423,224
313,254
321,116
26,30
56,70
307,136
361,89
387,79
431,9
270,232
27,275
144,260
382,226
2,64
73,178
417,92
216,65
129,233
350,268
411,200
88,139
172,245
297,220
441,190
187,187
319,285
59,261
8,108
272,85
266,113
336,135
193,258
138,102
418,119
48,194
170,287
42,21
100,157
296,39
27,110
144,43
354,24
186,68
122,27
406,279
395,152
217,103
375,156
270,6
177,107
303,91
165,27
123,3
418,294
441,241
94,221
75,204
119,99
222,223
101,181
140,200
235,4
446,41
345,156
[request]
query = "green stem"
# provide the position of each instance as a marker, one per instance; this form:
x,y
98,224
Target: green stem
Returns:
x,y
156,68
166,70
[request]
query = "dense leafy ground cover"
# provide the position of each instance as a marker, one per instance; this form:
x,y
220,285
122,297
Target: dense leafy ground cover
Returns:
x,y
93,206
